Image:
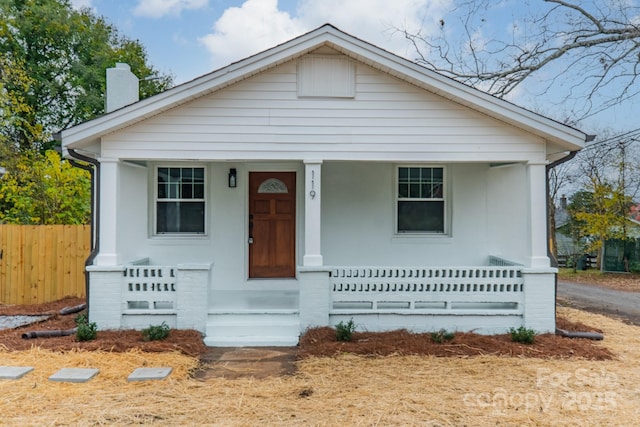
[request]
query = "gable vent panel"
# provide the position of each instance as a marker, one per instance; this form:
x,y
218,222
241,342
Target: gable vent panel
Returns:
x,y
331,76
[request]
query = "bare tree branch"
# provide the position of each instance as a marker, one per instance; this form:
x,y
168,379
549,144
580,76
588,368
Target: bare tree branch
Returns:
x,y
593,48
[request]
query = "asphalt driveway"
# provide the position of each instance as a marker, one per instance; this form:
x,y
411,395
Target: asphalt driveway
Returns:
x,y
599,299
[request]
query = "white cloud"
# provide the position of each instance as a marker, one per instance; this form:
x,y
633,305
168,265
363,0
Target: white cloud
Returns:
x,y
259,24
160,8
251,28
79,4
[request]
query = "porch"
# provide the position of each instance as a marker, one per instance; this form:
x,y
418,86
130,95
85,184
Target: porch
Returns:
x,y
485,299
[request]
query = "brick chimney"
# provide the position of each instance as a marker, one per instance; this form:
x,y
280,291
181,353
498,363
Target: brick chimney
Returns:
x,y
122,87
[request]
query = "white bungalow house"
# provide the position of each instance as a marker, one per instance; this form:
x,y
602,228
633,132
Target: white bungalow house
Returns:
x,y
322,180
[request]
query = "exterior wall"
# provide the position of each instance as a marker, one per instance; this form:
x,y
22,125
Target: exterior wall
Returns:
x,y
358,221
263,118
507,212
261,124
133,202
225,241
358,218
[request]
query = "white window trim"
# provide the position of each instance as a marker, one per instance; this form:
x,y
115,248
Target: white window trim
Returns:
x,y
445,199
155,200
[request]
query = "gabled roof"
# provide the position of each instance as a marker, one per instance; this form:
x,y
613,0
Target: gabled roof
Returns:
x,y
567,138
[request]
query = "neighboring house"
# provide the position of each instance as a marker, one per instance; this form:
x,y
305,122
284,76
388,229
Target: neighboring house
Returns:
x,y
624,255
318,181
617,255
568,249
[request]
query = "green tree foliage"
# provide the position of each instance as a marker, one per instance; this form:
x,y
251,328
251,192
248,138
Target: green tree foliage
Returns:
x,y
598,215
52,76
43,189
64,53
14,109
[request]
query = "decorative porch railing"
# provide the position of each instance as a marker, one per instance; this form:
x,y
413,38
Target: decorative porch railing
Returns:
x,y
426,290
149,287
498,261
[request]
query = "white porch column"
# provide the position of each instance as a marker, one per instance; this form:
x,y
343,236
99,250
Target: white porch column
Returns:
x,y
109,182
536,174
312,229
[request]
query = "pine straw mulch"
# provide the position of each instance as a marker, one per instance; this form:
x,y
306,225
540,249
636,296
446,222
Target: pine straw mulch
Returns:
x,y
318,342
321,342
346,389
188,342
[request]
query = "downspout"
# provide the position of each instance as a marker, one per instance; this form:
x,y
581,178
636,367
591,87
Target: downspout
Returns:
x,y
554,261
95,209
570,156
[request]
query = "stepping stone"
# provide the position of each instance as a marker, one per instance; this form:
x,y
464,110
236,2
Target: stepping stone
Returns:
x,y
145,374
14,372
74,375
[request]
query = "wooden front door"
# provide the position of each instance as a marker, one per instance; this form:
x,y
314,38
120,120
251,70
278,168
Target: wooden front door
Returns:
x,y
272,224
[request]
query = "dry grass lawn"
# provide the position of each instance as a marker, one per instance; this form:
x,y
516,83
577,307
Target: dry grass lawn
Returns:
x,y
344,390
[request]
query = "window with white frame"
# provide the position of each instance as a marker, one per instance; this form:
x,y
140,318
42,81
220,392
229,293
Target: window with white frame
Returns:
x,y
180,200
421,200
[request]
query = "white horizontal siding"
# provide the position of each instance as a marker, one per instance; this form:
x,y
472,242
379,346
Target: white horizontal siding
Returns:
x,y
264,115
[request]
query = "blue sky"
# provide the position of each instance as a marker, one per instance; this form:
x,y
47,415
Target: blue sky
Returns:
x,y
189,38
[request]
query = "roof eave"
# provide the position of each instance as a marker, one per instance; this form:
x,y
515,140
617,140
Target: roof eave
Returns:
x,y
570,138
90,132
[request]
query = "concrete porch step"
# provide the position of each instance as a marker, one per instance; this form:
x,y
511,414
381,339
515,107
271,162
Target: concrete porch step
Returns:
x,y
253,329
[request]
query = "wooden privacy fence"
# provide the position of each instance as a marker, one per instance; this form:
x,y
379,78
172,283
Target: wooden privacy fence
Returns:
x,y
42,263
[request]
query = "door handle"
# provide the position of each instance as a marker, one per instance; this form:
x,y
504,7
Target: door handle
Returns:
x,y
250,230
250,240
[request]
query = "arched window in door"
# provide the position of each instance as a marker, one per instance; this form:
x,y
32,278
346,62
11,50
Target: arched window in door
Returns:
x,y
273,185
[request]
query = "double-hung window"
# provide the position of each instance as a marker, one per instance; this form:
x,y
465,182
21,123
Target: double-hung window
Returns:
x,y
180,200
421,200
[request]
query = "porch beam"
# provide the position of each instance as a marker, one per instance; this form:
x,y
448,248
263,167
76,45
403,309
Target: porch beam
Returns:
x,y
109,182
536,175
312,224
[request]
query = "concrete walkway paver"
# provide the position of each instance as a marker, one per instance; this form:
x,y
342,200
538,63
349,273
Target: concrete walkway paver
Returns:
x,y
74,375
225,362
14,372
148,374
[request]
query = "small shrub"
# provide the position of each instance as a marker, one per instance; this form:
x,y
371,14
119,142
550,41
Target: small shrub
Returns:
x,y
344,331
156,333
523,335
442,335
87,331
